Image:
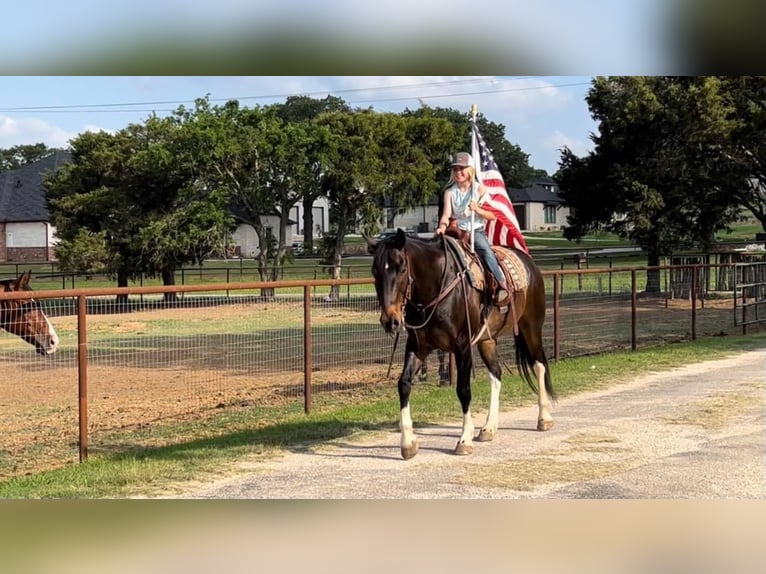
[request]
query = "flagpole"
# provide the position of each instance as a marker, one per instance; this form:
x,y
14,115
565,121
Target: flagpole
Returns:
x,y
473,154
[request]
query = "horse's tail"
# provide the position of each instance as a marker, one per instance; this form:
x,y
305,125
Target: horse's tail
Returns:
x,y
525,361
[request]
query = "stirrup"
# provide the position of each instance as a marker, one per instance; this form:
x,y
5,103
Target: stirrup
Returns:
x,y
502,297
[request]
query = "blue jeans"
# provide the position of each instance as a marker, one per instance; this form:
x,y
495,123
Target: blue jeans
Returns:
x,y
482,247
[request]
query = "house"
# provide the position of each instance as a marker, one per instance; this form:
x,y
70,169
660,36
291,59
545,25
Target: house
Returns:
x,y
539,206
25,233
245,239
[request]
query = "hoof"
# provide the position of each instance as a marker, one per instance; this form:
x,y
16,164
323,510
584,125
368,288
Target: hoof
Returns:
x,y
463,449
485,435
409,451
544,425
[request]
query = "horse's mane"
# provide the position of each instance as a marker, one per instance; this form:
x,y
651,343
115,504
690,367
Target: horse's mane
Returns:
x,y
419,243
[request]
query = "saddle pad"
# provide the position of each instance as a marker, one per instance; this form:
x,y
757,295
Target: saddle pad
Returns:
x,y
513,266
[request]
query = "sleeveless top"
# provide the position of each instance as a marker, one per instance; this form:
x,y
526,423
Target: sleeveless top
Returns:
x,y
460,203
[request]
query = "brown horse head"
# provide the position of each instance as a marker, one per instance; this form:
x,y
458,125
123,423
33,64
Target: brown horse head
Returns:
x,y
25,318
391,273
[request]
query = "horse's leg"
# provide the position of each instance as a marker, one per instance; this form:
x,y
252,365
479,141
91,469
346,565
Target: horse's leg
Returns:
x,y
488,351
463,363
423,371
544,418
409,443
443,369
529,347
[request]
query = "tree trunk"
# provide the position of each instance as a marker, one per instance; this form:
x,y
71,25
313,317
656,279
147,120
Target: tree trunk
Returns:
x,y
653,275
334,294
169,278
122,281
308,225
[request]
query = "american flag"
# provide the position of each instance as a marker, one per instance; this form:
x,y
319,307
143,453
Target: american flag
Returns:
x,y
504,229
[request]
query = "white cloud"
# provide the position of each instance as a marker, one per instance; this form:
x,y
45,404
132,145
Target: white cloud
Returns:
x,y
579,146
24,131
27,131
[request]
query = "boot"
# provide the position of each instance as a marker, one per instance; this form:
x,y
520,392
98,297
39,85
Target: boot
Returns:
x,y
502,295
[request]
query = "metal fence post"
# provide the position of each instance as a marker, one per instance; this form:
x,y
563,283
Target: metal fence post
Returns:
x,y
82,374
633,305
307,364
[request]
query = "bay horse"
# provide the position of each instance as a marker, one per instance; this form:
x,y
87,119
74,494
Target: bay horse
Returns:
x,y
25,318
424,286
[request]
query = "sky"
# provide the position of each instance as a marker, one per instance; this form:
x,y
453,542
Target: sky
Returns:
x,y
540,113
57,88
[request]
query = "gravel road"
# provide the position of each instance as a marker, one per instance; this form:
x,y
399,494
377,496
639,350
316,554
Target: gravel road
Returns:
x,y
693,432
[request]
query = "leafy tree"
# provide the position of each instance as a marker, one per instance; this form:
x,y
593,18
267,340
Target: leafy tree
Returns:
x,y
20,155
657,174
302,109
747,96
259,161
139,191
378,156
512,162
86,253
85,195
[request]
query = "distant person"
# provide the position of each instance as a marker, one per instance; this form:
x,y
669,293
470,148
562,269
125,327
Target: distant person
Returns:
x,y
464,196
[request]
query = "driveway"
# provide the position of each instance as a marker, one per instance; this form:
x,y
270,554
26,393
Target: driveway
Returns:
x,y
693,432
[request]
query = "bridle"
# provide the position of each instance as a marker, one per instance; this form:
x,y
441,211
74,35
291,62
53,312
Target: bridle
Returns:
x,y
444,290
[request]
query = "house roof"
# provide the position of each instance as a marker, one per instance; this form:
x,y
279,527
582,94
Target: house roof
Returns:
x,y
22,197
543,192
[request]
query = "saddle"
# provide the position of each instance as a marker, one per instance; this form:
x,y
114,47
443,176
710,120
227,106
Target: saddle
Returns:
x,y
516,276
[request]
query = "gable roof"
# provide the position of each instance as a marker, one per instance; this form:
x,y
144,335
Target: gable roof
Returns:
x,y
22,197
545,192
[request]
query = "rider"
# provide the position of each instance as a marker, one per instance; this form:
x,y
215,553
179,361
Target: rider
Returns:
x,y
464,196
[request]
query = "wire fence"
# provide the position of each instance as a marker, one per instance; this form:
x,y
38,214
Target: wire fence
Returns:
x,y
126,371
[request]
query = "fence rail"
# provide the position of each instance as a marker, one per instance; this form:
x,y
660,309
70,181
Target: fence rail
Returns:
x,y
148,358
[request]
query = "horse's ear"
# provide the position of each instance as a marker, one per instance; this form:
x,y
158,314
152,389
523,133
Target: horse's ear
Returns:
x,y
400,240
22,281
369,241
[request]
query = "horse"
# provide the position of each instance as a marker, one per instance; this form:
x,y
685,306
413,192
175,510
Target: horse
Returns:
x,y
25,318
432,290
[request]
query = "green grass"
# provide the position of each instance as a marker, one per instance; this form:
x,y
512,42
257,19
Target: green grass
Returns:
x,y
742,231
202,450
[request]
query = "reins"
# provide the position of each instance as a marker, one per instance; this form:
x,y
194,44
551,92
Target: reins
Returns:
x,y
444,291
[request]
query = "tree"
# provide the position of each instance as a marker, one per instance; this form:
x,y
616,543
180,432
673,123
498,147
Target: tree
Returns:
x,y
657,174
747,96
140,193
511,160
299,110
85,195
378,156
20,155
259,161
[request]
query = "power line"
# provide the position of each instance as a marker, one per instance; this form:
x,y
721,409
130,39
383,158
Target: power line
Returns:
x,y
115,107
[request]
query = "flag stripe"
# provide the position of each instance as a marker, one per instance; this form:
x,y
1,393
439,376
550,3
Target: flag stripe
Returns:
x,y
505,229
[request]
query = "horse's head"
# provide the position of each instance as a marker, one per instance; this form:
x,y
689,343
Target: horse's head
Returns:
x,y
390,268
25,318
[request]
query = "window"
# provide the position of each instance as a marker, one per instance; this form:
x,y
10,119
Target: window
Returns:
x,y
549,211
